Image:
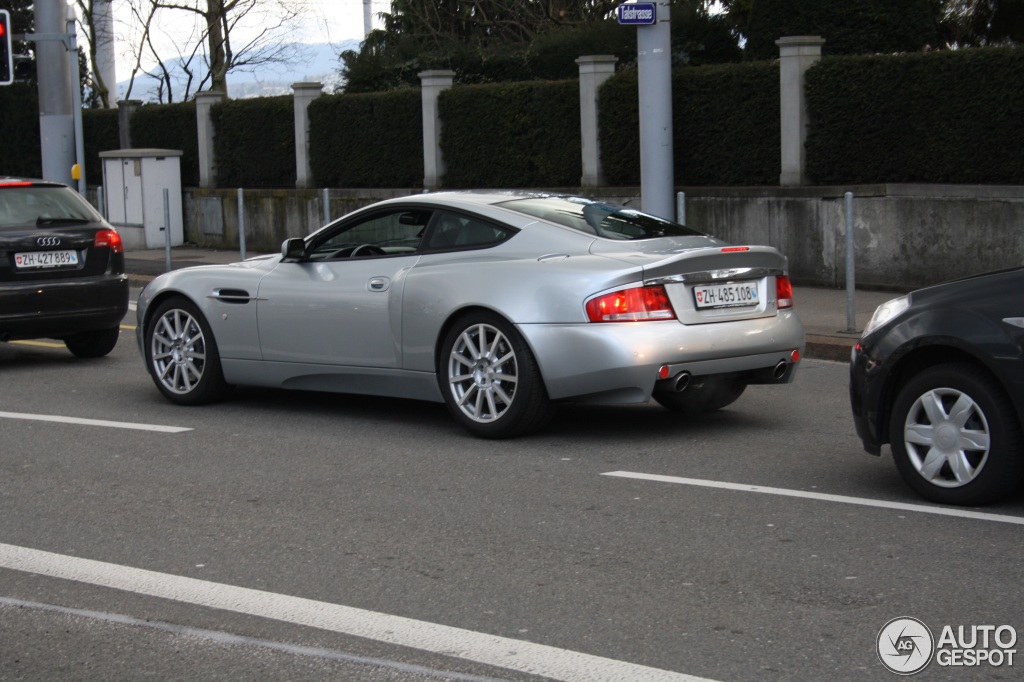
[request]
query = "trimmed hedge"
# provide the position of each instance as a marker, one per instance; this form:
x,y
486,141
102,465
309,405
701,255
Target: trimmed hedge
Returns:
x,y
941,117
512,135
367,140
170,126
19,117
725,126
100,130
255,142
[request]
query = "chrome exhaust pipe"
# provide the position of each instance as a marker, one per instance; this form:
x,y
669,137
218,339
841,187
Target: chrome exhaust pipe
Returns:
x,y
681,382
780,370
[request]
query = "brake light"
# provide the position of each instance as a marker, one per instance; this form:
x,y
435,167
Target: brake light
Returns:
x,y
734,249
16,183
109,239
631,305
783,292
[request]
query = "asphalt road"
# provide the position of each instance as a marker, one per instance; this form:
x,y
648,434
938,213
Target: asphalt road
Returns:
x,y
280,535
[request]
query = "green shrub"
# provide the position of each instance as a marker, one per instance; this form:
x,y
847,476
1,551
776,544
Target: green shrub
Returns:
x,y
942,117
170,126
512,135
255,142
367,140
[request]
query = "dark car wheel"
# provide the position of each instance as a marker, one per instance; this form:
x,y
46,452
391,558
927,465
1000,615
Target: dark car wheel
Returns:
x,y
181,354
93,344
955,436
490,380
703,394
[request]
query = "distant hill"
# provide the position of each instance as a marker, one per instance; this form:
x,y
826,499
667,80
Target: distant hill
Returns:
x,y
319,63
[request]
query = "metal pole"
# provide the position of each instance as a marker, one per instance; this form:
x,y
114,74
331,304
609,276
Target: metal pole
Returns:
x,y
654,73
76,98
851,317
681,208
167,230
327,206
241,221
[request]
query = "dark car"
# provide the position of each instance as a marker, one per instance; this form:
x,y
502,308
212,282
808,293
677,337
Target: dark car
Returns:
x,y
61,268
939,375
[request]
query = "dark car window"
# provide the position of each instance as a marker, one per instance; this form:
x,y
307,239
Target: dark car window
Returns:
x,y
391,233
599,218
457,231
22,204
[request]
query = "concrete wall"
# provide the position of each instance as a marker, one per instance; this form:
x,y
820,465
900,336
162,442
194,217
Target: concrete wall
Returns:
x,y
905,236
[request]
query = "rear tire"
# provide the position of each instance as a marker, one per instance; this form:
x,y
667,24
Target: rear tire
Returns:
x,y
181,354
490,380
704,394
93,344
956,437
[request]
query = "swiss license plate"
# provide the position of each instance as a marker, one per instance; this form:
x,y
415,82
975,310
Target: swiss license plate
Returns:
x,y
45,259
726,295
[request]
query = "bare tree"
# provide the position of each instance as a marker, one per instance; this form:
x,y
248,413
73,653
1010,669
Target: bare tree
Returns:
x,y
190,45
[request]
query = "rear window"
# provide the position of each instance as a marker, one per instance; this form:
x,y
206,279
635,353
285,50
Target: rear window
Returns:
x,y
599,218
29,204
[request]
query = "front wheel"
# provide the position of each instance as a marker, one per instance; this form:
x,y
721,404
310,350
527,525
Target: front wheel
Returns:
x,y
956,438
181,354
490,380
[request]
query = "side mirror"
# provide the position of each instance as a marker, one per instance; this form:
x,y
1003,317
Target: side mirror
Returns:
x,y
293,249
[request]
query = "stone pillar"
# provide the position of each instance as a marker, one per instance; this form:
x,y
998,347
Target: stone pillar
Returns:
x,y
304,93
126,108
796,55
594,71
204,123
433,83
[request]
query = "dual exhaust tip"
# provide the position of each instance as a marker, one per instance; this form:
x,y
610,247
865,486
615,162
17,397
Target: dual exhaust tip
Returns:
x,y
682,380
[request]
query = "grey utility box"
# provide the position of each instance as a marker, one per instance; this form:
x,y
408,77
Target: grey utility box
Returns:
x,y
134,182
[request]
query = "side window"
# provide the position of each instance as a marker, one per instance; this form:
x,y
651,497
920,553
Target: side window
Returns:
x,y
452,231
392,233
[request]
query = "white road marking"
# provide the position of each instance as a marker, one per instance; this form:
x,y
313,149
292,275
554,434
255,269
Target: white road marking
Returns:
x,y
229,639
94,422
528,657
863,501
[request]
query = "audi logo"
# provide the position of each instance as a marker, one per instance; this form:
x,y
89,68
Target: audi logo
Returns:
x,y
48,241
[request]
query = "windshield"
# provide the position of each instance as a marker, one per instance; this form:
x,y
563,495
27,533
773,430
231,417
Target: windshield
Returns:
x,y
600,218
30,204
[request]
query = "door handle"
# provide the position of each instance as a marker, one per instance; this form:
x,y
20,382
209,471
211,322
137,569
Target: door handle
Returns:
x,y
378,284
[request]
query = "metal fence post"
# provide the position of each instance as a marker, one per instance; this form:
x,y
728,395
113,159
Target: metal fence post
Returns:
x,y
167,230
851,317
681,208
241,221
327,206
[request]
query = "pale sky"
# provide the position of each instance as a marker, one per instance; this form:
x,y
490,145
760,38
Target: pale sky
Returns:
x,y
328,21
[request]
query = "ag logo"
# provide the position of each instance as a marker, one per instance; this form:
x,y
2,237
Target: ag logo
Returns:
x,y
905,646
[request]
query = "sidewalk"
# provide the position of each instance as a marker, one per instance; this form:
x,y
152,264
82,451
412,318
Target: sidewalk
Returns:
x,y
823,312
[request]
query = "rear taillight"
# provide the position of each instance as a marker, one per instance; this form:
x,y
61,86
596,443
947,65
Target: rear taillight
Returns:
x,y
783,292
109,239
631,305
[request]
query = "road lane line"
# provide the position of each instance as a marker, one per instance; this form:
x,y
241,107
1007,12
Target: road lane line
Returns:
x,y
528,657
41,344
863,501
94,422
226,638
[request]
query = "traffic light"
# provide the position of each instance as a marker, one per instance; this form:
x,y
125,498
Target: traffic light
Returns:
x,y
6,60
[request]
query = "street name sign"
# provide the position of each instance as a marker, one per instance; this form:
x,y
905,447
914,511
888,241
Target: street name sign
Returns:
x,y
637,14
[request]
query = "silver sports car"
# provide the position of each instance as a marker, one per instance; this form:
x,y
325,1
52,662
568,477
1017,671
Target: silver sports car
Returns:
x,y
499,304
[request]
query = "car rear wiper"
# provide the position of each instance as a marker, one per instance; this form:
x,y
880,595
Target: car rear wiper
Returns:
x,y
53,221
